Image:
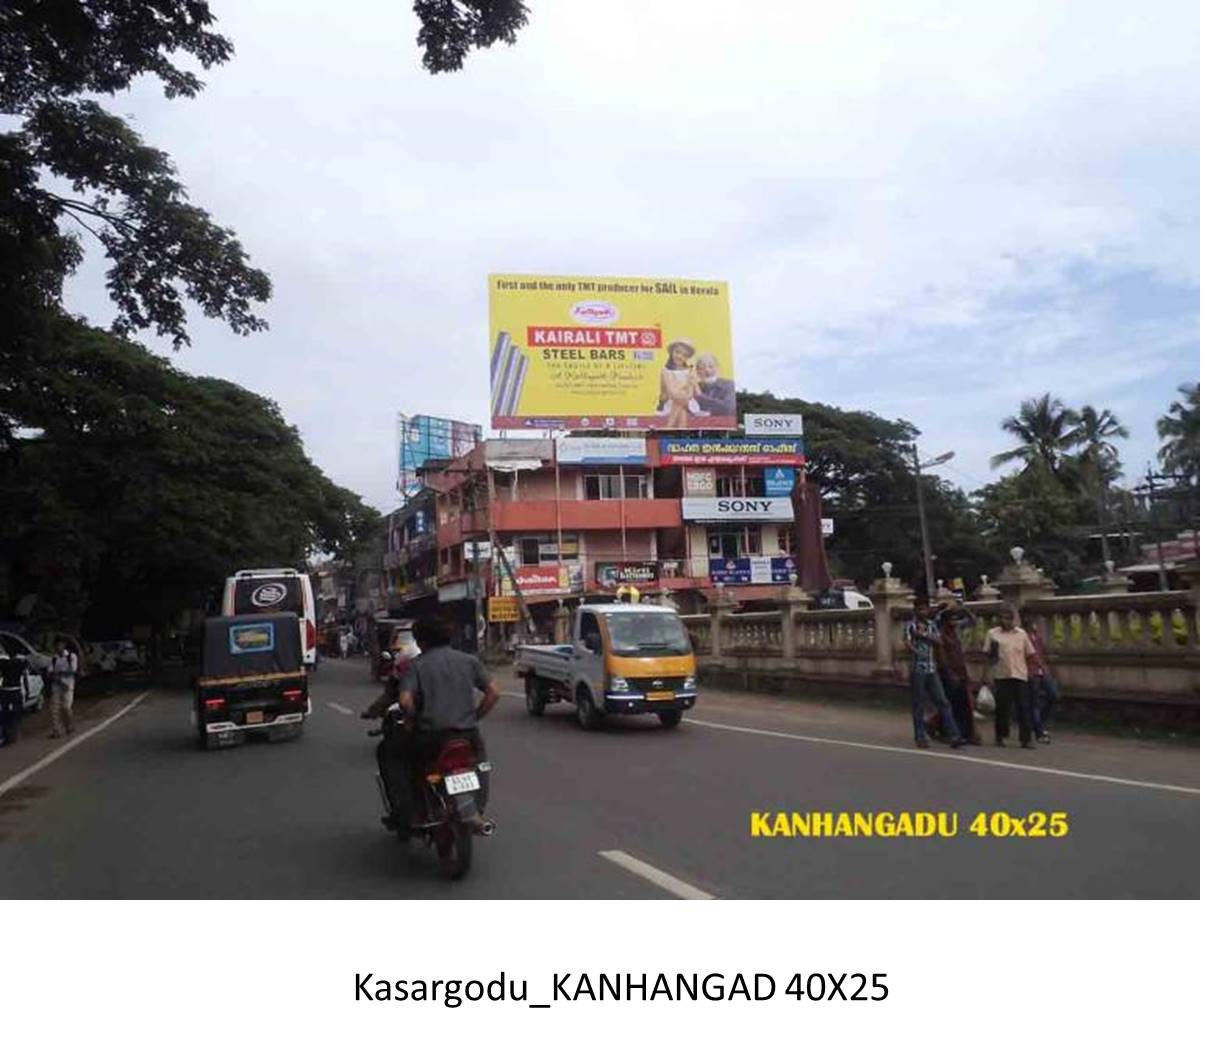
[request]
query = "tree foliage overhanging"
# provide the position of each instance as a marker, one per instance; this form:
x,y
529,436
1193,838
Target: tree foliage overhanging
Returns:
x,y
128,487
144,487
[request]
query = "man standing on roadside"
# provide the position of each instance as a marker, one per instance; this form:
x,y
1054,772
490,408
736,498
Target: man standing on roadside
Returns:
x,y
63,688
1010,659
922,637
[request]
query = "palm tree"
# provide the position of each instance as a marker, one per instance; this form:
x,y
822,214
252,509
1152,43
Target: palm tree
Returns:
x,y
1181,426
1099,459
1046,430
1094,427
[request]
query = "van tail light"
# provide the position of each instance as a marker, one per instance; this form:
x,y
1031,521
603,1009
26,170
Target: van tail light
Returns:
x,y
293,694
214,703
311,635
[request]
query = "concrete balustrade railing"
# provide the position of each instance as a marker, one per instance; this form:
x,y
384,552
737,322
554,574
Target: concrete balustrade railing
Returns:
x,y
1121,647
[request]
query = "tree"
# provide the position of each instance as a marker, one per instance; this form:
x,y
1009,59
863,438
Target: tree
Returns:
x,y
1092,433
146,487
449,28
1046,431
68,166
1180,427
69,161
1034,510
861,463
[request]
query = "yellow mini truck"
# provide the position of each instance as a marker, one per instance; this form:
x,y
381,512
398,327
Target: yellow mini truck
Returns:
x,y
624,660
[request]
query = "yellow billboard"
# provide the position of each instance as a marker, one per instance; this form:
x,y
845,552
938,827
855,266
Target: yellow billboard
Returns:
x,y
610,352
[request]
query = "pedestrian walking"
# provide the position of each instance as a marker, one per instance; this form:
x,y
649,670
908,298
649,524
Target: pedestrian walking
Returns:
x,y
12,703
64,665
921,636
953,621
1010,658
1044,691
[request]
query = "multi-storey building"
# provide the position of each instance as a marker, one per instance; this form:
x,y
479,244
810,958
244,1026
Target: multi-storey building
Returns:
x,y
579,517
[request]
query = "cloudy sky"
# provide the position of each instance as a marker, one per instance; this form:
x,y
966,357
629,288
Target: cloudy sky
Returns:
x,y
928,210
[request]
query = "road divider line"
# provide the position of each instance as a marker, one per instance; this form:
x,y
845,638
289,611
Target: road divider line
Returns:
x,y
342,709
682,890
51,757
960,756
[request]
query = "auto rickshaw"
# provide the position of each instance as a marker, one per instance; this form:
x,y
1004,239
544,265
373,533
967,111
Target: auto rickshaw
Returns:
x,y
251,679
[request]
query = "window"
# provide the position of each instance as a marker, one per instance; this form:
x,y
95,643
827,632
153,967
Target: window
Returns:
x,y
528,551
589,629
738,485
734,542
608,486
785,540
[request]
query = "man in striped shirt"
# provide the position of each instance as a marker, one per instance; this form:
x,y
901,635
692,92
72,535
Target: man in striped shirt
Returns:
x,y
922,637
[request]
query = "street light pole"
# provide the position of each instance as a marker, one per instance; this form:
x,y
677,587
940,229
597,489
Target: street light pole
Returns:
x,y
929,582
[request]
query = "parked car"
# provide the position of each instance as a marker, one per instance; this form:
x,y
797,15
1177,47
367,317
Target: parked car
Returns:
x,y
18,647
16,675
111,657
841,598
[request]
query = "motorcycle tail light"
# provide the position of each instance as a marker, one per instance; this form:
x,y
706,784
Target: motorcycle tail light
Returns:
x,y
456,755
433,779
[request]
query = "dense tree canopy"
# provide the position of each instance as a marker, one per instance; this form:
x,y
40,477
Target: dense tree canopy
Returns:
x,y
144,487
1180,428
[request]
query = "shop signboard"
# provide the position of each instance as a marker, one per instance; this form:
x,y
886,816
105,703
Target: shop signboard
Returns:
x,y
738,509
503,609
779,482
609,575
750,452
613,450
765,569
772,424
699,482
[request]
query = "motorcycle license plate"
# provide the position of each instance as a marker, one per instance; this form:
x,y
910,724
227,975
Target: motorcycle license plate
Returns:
x,y
255,716
660,696
467,781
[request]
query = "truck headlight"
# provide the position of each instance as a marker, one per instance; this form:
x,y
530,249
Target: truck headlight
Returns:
x,y
619,684
689,684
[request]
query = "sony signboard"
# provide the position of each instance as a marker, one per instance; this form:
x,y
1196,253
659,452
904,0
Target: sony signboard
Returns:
x,y
738,509
772,424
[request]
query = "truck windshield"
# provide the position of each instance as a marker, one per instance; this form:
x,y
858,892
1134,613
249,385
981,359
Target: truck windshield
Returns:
x,y
647,634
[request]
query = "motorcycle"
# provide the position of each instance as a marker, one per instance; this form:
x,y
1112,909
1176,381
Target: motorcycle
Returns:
x,y
451,789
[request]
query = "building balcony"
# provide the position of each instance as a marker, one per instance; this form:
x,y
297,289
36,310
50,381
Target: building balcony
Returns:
x,y
527,516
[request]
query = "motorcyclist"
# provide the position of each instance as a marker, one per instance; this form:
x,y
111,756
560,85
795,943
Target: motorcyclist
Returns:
x,y
436,697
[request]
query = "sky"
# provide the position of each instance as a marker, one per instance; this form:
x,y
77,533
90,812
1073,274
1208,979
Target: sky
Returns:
x,y
926,210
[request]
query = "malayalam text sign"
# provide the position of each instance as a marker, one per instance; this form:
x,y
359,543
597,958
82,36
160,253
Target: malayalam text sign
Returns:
x,y
610,352
503,610
731,451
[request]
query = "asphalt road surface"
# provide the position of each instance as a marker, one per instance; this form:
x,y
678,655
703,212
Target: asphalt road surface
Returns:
x,y
136,810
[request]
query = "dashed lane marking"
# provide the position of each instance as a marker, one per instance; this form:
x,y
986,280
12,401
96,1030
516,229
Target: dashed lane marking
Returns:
x,y
679,888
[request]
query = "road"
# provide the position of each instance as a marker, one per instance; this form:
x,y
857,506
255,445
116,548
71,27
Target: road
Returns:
x,y
136,810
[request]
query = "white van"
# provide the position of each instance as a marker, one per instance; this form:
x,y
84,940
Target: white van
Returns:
x,y
275,590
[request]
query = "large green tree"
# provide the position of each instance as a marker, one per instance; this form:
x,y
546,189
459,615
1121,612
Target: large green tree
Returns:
x,y
861,462
145,486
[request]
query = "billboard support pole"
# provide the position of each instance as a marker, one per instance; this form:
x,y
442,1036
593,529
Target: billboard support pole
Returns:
x,y
623,513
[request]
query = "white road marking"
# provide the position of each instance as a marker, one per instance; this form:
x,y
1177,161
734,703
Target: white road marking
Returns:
x,y
51,757
682,890
342,709
958,757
